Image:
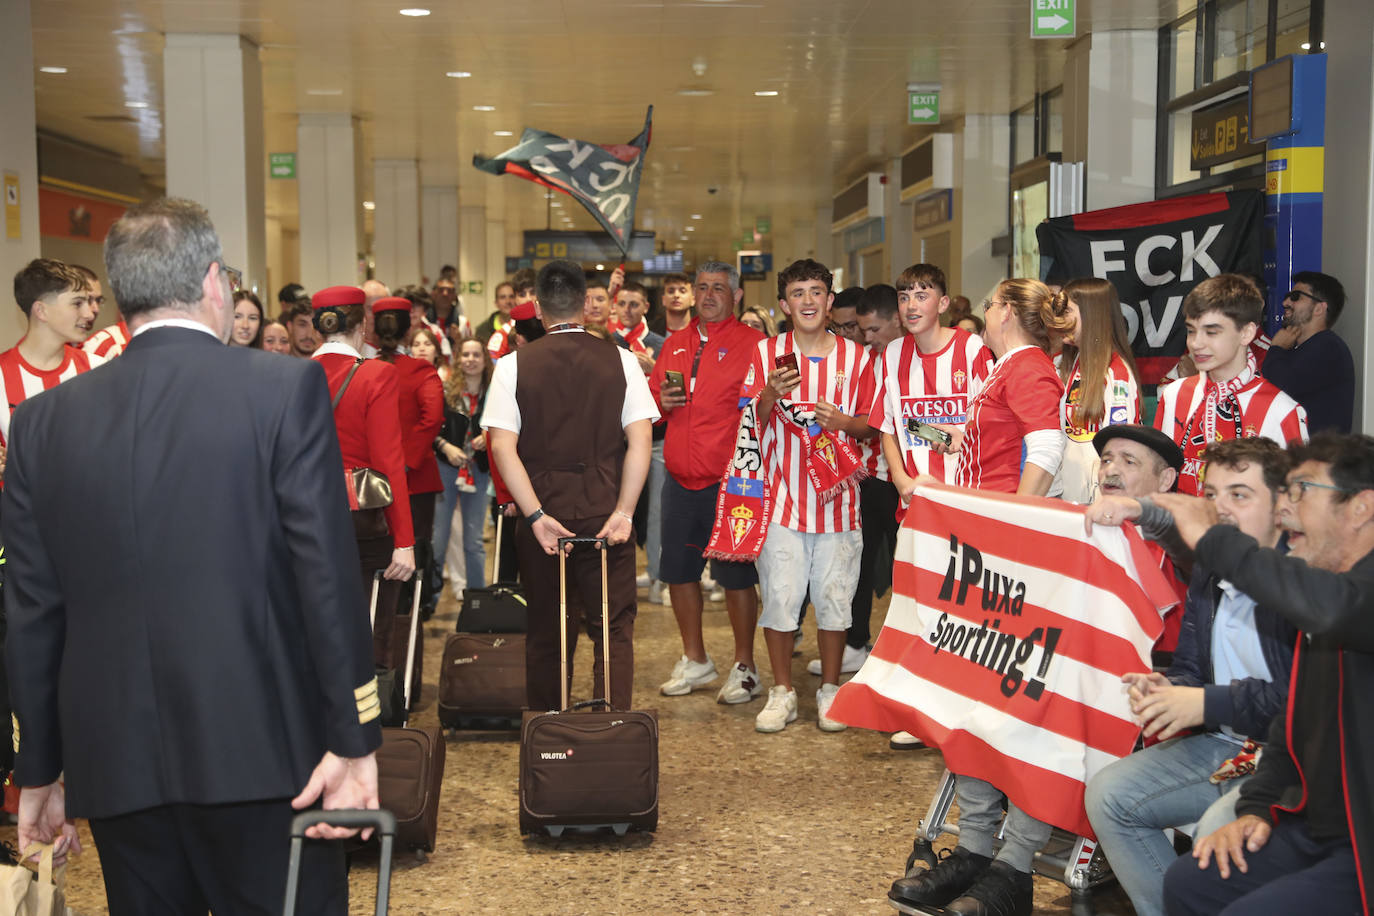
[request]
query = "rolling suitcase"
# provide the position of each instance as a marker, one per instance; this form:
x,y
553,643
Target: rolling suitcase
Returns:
x,y
385,825
482,680
586,770
410,764
499,608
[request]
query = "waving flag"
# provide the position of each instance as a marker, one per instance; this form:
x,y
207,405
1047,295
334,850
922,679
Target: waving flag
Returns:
x,y
604,179
1005,642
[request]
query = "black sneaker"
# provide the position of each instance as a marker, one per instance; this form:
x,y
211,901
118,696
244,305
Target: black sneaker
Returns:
x,y
952,876
999,891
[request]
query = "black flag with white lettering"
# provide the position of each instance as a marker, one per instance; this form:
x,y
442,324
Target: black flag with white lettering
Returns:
x,y
1155,253
604,179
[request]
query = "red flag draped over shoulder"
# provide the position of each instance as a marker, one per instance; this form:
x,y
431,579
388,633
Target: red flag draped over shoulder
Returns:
x,y
1005,643
603,178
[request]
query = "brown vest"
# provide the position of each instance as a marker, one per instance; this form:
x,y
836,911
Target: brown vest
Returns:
x,y
570,389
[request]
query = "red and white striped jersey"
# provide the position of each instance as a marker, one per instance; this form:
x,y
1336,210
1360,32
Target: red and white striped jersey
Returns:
x,y
22,381
841,378
871,450
500,343
1264,411
107,343
1077,477
930,387
1021,396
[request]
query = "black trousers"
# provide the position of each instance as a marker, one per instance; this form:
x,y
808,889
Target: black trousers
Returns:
x,y
539,573
374,555
878,503
180,860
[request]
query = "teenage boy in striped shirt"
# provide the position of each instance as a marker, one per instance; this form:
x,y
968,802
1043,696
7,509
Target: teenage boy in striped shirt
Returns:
x,y
813,378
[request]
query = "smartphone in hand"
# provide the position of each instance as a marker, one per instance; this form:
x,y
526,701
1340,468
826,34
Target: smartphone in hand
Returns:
x,y
675,379
927,432
786,361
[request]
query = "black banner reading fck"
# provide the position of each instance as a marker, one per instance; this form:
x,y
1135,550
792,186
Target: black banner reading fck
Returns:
x,y
1154,254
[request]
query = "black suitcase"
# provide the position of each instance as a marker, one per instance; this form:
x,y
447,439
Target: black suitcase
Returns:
x,y
385,826
398,684
499,608
585,770
482,680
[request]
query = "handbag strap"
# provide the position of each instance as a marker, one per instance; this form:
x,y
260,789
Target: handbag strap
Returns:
x,y
344,387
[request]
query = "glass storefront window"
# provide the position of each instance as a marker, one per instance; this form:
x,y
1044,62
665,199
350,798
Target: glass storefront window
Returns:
x,y
1054,121
1029,207
1023,129
1242,31
1184,51
1294,27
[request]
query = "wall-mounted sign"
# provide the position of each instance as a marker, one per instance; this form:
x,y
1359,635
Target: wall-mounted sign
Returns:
x,y
923,108
281,165
1221,133
1053,18
933,210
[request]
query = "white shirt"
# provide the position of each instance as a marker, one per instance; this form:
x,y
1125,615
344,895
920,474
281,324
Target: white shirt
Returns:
x,y
176,323
502,412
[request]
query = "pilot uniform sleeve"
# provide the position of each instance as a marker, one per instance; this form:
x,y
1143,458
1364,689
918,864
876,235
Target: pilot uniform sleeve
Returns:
x,y
324,555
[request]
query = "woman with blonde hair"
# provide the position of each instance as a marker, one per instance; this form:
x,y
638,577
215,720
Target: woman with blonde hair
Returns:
x,y
759,320
1100,381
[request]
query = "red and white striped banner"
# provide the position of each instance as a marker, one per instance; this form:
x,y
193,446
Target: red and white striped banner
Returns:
x,y
1005,642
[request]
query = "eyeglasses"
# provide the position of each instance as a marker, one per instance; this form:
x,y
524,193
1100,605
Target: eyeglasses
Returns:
x,y
235,277
1299,293
1294,490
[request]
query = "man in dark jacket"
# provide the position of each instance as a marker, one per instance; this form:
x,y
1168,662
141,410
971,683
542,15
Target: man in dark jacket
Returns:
x,y
1302,838
1229,678
188,646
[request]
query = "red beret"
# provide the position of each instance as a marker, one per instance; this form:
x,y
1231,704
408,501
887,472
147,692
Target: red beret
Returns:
x,y
523,312
338,297
390,304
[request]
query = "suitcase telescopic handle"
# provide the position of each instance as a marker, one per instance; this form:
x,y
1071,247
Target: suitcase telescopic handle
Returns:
x,y
563,544
384,822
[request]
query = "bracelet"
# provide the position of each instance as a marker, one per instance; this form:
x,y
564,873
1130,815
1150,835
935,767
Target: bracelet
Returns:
x,y
534,516
412,549
624,515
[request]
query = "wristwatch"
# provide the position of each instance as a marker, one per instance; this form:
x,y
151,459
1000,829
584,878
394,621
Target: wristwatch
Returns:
x,y
534,516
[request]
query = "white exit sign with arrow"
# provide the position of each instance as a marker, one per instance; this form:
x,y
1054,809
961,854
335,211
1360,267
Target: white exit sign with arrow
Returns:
x,y
1054,18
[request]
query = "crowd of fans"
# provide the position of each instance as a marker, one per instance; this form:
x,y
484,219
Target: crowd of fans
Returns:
x,y
1036,394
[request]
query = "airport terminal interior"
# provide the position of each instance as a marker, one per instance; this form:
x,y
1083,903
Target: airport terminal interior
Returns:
x,y
334,142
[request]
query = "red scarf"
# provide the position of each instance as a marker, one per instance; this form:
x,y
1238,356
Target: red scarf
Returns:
x,y
635,336
466,482
744,507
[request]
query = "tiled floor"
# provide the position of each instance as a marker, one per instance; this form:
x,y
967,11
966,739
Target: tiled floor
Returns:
x,y
797,822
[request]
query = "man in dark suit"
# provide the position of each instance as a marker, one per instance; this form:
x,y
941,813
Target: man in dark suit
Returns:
x,y
188,640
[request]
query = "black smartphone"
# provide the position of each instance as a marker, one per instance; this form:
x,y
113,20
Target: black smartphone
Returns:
x,y
786,361
927,432
675,379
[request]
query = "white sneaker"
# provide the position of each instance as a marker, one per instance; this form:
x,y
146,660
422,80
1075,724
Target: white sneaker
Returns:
x,y
741,686
658,593
688,675
851,661
905,741
707,582
781,709
715,593
824,697
643,581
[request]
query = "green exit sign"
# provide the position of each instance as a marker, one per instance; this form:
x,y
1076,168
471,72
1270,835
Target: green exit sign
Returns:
x,y
923,108
1053,18
281,165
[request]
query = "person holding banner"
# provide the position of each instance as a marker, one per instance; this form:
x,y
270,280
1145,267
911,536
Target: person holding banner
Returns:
x,y
1228,399
1016,413
1100,383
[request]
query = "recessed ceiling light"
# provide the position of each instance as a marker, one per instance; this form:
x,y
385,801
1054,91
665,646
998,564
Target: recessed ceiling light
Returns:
x,y
52,69
458,74
369,205
555,205
414,11
763,93
503,133
135,104
696,216
601,267
324,92
483,107
690,229
696,92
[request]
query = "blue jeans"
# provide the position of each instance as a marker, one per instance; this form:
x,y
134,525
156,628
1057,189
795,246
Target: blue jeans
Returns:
x,y
1131,801
473,507
443,520
653,538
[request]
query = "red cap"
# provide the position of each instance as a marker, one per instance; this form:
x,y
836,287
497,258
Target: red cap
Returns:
x,y
523,312
338,297
391,304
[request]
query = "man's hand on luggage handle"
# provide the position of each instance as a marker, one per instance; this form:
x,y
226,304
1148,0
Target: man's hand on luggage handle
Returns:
x,y
547,530
43,819
617,529
343,782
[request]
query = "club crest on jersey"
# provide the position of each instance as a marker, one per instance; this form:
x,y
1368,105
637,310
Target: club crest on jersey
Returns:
x,y
826,447
720,354
749,378
1250,433
959,376
742,522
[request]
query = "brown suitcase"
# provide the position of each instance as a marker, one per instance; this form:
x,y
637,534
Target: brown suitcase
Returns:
x,y
482,680
410,764
584,770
